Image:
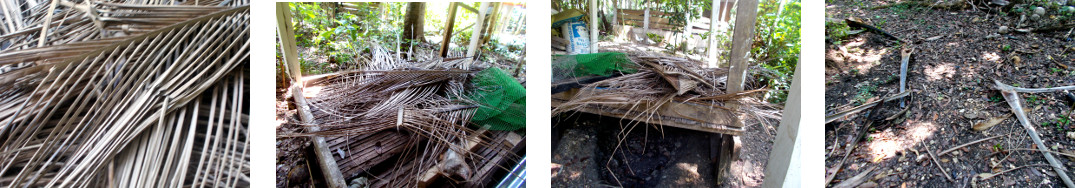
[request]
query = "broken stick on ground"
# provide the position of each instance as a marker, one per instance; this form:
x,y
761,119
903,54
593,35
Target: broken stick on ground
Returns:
x,y
1011,95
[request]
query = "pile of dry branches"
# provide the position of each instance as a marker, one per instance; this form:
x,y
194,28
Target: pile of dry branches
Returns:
x,y
124,94
425,103
661,80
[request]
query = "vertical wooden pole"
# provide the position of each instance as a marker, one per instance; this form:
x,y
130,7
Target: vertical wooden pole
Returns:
x,y
593,25
784,164
287,44
742,38
687,27
714,17
447,40
476,34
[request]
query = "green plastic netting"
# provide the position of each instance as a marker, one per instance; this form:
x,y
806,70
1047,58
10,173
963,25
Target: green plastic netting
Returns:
x,y
594,64
502,100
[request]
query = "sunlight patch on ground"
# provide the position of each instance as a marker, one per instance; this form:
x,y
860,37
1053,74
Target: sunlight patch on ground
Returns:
x,y
991,57
864,59
311,91
941,71
689,172
886,144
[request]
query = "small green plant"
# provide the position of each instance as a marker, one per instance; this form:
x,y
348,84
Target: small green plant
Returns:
x,y
998,147
869,138
1033,99
865,93
854,71
1007,47
1055,70
996,99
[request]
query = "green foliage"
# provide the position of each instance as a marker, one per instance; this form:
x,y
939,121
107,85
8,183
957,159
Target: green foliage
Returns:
x,y
996,99
865,92
338,34
777,44
1033,99
655,38
836,31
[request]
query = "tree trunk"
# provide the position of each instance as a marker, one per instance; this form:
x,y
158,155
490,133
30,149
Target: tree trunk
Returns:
x,y
415,19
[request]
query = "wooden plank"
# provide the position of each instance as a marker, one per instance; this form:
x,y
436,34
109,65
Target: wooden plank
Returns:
x,y
433,173
287,41
483,176
675,114
467,7
361,154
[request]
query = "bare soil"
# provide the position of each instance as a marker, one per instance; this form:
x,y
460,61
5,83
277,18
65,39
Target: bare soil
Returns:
x,y
958,54
587,153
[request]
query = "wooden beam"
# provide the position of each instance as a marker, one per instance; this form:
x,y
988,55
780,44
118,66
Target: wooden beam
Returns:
x,y
675,114
467,7
476,34
287,44
784,164
447,40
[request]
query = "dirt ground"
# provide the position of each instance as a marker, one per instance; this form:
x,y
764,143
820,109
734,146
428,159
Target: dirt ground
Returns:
x,y
583,145
958,54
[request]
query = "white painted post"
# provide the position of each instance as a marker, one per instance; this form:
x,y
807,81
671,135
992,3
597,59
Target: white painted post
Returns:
x,y
475,35
645,25
714,17
687,28
783,169
593,25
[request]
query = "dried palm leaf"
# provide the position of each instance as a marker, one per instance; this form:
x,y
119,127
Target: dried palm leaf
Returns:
x,y
127,111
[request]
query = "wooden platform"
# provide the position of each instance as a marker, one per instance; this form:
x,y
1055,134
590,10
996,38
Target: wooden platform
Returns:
x,y
675,114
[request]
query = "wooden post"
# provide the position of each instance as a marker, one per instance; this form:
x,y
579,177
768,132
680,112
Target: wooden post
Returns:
x,y
714,17
447,40
593,25
742,38
784,164
287,44
476,34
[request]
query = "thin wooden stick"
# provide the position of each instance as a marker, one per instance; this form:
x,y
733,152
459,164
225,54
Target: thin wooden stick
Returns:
x,y
859,108
1013,169
934,159
967,144
1010,94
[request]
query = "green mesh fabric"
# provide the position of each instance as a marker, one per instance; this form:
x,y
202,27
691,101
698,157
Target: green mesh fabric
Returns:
x,y
503,100
594,64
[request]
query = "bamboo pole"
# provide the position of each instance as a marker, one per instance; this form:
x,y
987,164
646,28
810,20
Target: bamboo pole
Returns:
x,y
447,40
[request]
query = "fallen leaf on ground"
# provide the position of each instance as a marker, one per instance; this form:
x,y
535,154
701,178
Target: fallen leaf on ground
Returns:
x,y
989,123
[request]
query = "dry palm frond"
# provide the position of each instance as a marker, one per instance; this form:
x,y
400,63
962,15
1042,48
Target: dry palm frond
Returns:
x,y
160,107
661,80
425,100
